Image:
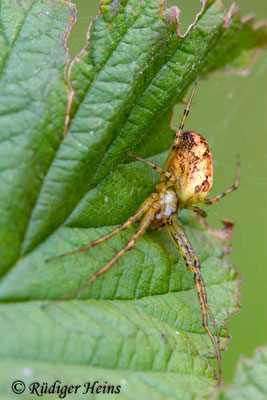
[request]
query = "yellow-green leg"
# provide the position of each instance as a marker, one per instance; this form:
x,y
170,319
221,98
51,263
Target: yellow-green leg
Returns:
x,y
154,166
144,224
178,133
141,210
230,190
182,243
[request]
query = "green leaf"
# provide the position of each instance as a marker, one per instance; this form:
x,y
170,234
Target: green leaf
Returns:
x,y
140,323
250,379
134,82
32,109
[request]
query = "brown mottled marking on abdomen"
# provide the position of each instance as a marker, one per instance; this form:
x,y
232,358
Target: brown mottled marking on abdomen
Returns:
x,y
192,165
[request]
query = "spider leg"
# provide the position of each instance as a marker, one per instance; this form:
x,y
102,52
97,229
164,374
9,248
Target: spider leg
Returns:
x,y
197,264
177,134
184,101
154,166
155,228
194,258
141,210
231,189
198,211
182,243
185,114
200,215
144,224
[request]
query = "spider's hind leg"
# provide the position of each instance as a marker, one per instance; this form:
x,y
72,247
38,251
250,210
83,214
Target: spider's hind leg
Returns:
x,y
200,215
182,243
228,191
197,211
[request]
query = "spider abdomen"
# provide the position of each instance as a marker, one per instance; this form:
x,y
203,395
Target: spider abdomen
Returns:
x,y
192,165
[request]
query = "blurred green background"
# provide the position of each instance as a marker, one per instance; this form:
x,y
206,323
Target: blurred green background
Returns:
x,y
231,113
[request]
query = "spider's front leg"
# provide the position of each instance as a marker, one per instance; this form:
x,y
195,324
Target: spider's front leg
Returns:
x,y
148,210
135,217
192,263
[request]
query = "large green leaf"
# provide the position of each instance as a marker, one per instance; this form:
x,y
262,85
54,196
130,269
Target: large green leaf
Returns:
x,y
32,107
141,322
250,379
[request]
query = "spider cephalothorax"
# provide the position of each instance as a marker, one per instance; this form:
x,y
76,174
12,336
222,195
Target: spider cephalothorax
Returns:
x,y
186,179
168,207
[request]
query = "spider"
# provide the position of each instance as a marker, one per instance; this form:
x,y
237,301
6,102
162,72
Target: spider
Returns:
x,y
185,180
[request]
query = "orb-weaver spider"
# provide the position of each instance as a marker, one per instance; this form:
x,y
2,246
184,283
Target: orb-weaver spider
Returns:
x,y
186,179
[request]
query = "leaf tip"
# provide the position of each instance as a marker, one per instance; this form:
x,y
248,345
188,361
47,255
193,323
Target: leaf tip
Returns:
x,y
172,16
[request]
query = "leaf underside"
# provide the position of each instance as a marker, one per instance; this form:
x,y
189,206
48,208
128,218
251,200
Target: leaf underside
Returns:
x,y
139,325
